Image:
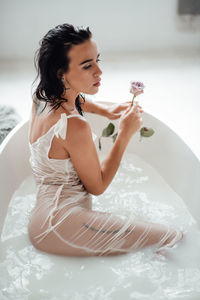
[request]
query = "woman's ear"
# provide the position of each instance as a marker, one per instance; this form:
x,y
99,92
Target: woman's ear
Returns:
x,y
59,74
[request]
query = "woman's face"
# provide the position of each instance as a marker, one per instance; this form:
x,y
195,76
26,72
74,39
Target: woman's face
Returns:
x,y
84,70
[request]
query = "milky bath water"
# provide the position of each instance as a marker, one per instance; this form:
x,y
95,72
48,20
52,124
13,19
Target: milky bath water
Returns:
x,y
137,189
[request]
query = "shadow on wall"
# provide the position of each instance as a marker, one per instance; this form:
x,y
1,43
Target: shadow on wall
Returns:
x,y
188,18
9,118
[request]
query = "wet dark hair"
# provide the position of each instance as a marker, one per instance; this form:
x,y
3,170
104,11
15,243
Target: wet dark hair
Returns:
x,y
51,58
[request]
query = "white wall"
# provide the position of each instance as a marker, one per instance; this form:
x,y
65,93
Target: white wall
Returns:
x,y
129,25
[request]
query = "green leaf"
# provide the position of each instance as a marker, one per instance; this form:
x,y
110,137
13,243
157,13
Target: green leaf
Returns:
x,y
108,130
114,136
146,132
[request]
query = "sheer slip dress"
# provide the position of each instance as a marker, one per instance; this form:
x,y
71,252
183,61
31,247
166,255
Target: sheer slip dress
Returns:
x,y
63,222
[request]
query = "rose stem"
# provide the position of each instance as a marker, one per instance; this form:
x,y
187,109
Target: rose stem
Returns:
x,y
132,100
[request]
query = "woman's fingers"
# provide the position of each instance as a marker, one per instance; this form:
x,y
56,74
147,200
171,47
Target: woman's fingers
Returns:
x,y
127,103
135,107
131,108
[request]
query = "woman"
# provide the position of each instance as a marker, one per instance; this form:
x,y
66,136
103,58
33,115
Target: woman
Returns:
x,y
64,159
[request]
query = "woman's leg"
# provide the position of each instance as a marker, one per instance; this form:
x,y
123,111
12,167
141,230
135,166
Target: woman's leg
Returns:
x,y
81,232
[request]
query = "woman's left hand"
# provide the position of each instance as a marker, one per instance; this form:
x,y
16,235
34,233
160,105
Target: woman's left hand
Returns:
x,y
114,111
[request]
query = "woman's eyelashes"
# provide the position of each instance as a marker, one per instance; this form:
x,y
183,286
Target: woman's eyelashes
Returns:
x,y
89,66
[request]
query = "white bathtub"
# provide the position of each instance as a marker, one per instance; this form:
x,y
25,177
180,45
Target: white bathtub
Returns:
x,y
26,273
165,151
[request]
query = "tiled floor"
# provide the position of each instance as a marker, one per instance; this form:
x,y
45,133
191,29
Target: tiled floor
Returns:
x,y
172,92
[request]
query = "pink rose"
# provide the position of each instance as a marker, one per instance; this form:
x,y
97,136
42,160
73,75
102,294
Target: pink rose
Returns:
x,y
136,87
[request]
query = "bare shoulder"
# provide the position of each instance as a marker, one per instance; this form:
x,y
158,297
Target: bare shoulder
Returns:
x,y
79,122
78,129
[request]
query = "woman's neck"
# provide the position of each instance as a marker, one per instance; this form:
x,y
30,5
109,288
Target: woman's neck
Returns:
x,y
71,96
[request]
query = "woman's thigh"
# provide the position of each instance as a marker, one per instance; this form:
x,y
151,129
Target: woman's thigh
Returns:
x,y
81,232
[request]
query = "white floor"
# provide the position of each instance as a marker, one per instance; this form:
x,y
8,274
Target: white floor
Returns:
x,y
172,92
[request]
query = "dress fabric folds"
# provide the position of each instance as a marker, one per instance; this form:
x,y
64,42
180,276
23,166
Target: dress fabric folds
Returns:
x,y
64,207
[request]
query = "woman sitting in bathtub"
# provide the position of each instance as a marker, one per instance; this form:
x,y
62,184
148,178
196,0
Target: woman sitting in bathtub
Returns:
x,y
64,159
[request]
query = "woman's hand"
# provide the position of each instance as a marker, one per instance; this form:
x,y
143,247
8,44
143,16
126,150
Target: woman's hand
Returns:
x,y
131,120
114,111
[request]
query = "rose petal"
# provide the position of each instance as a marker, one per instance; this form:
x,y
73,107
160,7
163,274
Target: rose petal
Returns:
x,y
136,86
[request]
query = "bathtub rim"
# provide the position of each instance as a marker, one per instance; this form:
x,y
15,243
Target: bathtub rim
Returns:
x,y
22,123
25,123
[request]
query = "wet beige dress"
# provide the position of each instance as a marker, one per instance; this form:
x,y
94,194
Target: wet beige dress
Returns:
x,y
63,222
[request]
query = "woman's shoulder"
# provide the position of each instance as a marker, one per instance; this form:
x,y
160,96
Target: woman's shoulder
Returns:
x,y
41,121
78,130
61,119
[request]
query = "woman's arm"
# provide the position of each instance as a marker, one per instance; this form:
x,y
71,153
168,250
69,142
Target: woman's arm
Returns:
x,y
112,111
94,175
92,107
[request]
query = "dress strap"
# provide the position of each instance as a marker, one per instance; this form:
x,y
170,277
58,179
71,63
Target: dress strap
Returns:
x,y
60,128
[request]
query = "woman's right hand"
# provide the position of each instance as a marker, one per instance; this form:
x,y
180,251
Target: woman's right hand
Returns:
x,y
131,120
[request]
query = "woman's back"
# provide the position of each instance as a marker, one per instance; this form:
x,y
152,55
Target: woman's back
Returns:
x,y
57,181
40,124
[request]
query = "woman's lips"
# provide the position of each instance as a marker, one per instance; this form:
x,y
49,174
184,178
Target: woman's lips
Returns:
x,y
98,83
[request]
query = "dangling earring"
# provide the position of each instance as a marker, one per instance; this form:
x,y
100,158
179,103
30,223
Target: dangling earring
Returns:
x,y
64,84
